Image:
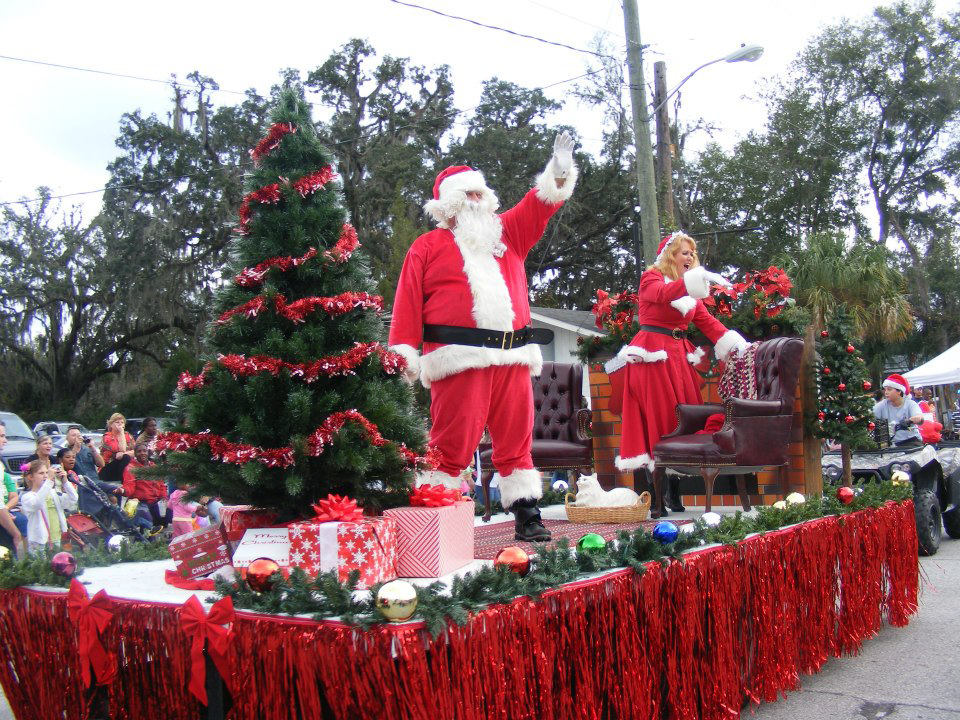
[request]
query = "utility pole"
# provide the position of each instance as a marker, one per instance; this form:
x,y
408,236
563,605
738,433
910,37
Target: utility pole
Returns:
x,y
664,145
646,185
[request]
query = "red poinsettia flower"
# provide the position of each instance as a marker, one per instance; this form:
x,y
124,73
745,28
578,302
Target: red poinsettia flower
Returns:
x,y
602,308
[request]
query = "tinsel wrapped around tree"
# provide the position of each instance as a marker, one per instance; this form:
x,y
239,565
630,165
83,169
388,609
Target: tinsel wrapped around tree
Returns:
x,y
845,405
298,398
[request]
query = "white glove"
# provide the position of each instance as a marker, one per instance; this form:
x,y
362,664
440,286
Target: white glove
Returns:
x,y
562,160
717,279
410,374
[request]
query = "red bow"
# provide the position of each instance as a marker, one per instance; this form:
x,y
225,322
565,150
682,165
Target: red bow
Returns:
x,y
334,508
434,496
209,628
91,618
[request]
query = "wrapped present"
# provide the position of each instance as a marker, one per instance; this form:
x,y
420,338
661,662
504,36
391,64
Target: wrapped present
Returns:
x,y
237,519
433,540
368,544
272,543
200,552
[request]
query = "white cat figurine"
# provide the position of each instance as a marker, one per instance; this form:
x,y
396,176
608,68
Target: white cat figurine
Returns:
x,y
590,494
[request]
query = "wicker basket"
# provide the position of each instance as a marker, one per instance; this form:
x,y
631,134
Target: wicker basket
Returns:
x,y
621,514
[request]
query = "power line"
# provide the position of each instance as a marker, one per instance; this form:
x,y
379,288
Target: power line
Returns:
x,y
499,29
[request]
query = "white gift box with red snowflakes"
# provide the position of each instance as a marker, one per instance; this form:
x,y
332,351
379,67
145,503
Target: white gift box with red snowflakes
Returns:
x,y
368,545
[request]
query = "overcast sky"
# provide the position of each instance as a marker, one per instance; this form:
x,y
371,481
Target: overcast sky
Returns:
x,y
58,126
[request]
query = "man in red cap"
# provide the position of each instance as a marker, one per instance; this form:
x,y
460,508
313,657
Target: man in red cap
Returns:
x,y
462,295
899,410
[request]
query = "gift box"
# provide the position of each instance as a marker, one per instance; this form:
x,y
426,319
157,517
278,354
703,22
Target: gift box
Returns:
x,y
368,545
433,541
237,519
200,552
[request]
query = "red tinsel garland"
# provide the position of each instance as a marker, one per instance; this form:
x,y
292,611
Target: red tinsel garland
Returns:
x,y
339,253
298,310
309,184
272,140
271,194
344,364
600,647
283,457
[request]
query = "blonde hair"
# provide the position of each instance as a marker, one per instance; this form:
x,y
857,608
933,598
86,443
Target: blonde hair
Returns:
x,y
665,260
114,418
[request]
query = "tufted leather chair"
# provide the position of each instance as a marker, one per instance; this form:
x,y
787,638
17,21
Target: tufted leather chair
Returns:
x,y
755,433
560,423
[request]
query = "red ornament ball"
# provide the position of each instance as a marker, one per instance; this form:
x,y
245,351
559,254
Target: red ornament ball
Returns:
x,y
826,371
870,426
821,416
841,387
849,419
63,564
259,573
845,495
850,349
514,559
867,385
824,333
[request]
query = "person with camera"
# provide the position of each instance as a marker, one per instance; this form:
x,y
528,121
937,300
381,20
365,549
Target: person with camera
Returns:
x,y
900,410
88,459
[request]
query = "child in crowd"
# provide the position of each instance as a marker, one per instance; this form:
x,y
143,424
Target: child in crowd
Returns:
x,y
183,510
213,506
44,507
152,493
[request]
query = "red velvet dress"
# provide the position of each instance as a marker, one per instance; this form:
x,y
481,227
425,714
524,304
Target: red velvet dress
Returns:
x,y
660,374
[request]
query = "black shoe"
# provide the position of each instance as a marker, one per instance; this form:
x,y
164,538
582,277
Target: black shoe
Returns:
x,y
528,525
673,494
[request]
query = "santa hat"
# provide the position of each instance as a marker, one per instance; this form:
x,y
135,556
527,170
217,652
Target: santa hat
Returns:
x,y
449,191
897,382
662,247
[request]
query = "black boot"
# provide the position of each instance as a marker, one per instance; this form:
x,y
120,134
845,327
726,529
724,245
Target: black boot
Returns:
x,y
528,525
672,494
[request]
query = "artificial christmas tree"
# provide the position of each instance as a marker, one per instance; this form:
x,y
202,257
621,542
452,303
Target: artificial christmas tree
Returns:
x,y
845,406
299,399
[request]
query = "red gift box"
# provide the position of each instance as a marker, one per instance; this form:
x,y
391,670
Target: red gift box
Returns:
x,y
368,545
237,519
200,552
433,541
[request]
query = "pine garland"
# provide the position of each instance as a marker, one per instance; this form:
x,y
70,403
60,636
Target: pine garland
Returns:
x,y
555,565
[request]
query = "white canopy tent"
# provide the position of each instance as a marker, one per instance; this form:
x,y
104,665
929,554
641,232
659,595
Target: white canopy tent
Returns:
x,y
944,369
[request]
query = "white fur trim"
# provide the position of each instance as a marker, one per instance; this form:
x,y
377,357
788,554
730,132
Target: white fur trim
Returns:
x,y
696,356
636,462
895,386
547,190
634,354
466,181
438,477
696,283
684,305
451,359
729,341
615,363
492,306
412,357
453,193
521,484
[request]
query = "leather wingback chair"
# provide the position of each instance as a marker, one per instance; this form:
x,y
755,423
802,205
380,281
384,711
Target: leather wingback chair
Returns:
x,y
560,425
755,433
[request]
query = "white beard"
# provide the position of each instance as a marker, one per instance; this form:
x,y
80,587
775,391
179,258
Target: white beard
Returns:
x,y
479,229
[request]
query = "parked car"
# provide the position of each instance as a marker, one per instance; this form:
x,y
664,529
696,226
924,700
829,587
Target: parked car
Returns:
x,y
21,444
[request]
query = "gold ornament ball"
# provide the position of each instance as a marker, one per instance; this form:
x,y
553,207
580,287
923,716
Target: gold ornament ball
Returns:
x,y
795,499
514,559
397,600
779,505
4,552
259,573
900,478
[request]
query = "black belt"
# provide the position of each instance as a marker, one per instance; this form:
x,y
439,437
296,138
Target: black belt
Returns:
x,y
480,337
675,333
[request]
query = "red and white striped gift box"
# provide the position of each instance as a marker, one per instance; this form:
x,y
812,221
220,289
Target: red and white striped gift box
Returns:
x,y
433,541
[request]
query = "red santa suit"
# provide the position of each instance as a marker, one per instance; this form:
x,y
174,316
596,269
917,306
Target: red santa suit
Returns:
x,y
466,278
660,367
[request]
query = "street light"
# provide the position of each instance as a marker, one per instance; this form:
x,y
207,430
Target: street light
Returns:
x,y
744,53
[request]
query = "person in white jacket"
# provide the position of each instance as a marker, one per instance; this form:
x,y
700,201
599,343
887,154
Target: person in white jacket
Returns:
x,y
43,505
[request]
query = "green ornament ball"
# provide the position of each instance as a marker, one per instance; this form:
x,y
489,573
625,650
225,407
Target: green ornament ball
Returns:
x,y
591,542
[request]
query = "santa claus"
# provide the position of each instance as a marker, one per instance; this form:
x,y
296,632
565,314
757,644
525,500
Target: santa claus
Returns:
x,y
462,296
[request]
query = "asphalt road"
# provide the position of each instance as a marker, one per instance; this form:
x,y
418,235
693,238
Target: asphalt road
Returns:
x,y
909,673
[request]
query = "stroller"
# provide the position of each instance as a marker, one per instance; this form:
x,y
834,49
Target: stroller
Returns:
x,y
99,518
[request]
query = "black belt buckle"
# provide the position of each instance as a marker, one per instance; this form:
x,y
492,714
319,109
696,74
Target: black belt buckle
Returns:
x,y
505,344
678,334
